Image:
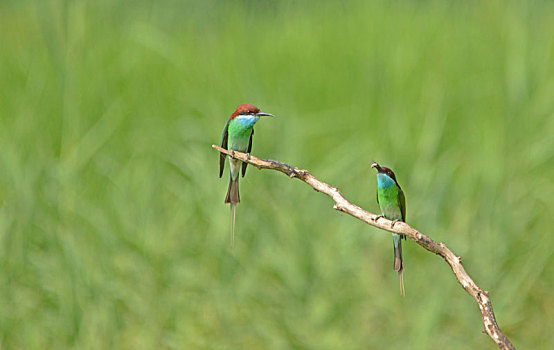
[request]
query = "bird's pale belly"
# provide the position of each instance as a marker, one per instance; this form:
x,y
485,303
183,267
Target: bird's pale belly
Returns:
x,y
239,143
391,212
388,201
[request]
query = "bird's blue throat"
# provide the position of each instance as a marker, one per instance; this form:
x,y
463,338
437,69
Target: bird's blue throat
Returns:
x,y
384,181
247,120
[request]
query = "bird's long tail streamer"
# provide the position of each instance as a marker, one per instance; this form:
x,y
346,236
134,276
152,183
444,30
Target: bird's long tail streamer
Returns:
x,y
233,214
401,276
399,261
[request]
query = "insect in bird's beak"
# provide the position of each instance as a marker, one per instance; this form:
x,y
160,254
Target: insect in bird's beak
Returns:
x,y
263,114
375,165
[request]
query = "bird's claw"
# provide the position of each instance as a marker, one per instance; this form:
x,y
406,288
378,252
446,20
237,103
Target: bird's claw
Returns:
x,y
291,172
393,223
377,217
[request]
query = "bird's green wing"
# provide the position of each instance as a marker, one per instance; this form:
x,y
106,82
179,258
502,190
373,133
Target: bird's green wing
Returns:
x,y
244,164
222,156
402,204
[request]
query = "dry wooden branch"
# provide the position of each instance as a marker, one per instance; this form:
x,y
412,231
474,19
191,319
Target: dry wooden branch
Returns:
x,y
342,204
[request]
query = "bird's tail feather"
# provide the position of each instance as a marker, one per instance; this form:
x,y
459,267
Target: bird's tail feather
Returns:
x,y
233,191
398,261
233,198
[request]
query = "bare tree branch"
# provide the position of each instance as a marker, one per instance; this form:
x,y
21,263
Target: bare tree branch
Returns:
x,y
342,204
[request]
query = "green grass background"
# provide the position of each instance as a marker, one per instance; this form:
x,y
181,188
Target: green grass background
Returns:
x,y
113,231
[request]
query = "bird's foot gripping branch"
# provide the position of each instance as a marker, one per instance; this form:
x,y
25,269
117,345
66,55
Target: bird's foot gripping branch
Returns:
x,y
342,204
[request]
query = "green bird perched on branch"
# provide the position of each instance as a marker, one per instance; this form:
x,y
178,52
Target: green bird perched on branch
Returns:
x,y
237,136
393,207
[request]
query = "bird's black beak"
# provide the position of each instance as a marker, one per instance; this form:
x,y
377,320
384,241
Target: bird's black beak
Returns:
x,y
376,166
263,114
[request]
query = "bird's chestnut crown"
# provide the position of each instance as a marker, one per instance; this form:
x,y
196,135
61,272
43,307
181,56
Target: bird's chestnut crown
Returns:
x,y
245,109
389,173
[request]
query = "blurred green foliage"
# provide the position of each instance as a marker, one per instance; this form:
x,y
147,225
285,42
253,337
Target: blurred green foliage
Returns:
x,y
113,231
